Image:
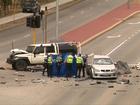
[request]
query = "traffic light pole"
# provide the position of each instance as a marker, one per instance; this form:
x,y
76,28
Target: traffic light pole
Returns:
x,y
45,36
34,35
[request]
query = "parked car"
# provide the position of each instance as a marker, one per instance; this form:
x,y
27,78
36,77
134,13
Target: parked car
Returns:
x,y
36,53
102,67
30,6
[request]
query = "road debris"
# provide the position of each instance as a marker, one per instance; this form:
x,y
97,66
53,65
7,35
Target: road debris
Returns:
x,y
123,81
137,76
110,86
2,68
35,68
21,75
92,83
98,82
76,84
19,80
38,81
56,80
112,81
2,77
121,90
3,82
123,68
114,93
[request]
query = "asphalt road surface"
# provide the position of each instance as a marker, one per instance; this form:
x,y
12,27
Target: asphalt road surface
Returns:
x,y
26,88
121,43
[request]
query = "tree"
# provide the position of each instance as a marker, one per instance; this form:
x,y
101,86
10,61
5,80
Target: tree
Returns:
x,y
6,4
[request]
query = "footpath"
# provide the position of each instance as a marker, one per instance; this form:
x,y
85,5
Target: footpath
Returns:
x,y
20,18
97,27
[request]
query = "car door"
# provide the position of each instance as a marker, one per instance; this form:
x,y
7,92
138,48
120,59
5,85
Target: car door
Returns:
x,y
38,55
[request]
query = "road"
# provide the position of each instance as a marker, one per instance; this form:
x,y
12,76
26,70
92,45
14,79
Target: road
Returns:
x,y
86,11
121,43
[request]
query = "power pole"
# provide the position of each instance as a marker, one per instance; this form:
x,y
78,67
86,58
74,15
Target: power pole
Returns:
x,y
46,13
57,19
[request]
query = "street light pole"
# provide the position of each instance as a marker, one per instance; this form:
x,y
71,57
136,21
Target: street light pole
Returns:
x,y
57,19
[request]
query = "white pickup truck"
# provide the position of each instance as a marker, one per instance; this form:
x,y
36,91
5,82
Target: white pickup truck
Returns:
x,y
102,67
36,53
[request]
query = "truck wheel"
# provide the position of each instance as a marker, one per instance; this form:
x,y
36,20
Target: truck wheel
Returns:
x,y
21,65
13,66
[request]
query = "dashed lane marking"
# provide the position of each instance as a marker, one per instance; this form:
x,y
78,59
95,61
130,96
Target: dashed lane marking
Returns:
x,y
26,36
134,23
117,47
117,36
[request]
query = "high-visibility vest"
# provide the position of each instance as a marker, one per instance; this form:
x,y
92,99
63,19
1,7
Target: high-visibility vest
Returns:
x,y
79,60
59,59
69,59
50,60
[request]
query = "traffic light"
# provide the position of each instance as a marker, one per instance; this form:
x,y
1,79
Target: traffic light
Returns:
x,y
29,21
33,21
37,21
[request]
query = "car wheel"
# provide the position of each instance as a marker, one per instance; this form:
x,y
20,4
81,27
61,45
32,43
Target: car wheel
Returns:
x,y
21,65
91,73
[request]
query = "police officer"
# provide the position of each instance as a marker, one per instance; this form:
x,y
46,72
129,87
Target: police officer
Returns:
x,y
79,63
69,62
48,63
45,65
59,62
85,57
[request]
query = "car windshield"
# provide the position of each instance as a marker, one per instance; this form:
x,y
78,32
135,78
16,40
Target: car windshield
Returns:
x,y
30,49
102,61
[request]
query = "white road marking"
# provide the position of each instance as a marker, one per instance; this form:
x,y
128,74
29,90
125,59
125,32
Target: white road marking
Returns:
x,y
134,23
117,36
26,36
117,47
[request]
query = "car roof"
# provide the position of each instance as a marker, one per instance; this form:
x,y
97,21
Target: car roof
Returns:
x,y
101,56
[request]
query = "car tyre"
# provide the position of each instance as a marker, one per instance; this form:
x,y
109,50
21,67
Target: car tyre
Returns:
x,y
91,74
21,65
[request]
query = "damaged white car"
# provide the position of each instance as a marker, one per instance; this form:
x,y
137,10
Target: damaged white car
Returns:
x,y
102,67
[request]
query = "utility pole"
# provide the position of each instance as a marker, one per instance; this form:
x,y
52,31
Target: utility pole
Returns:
x,y
44,25
45,36
57,19
14,10
128,4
